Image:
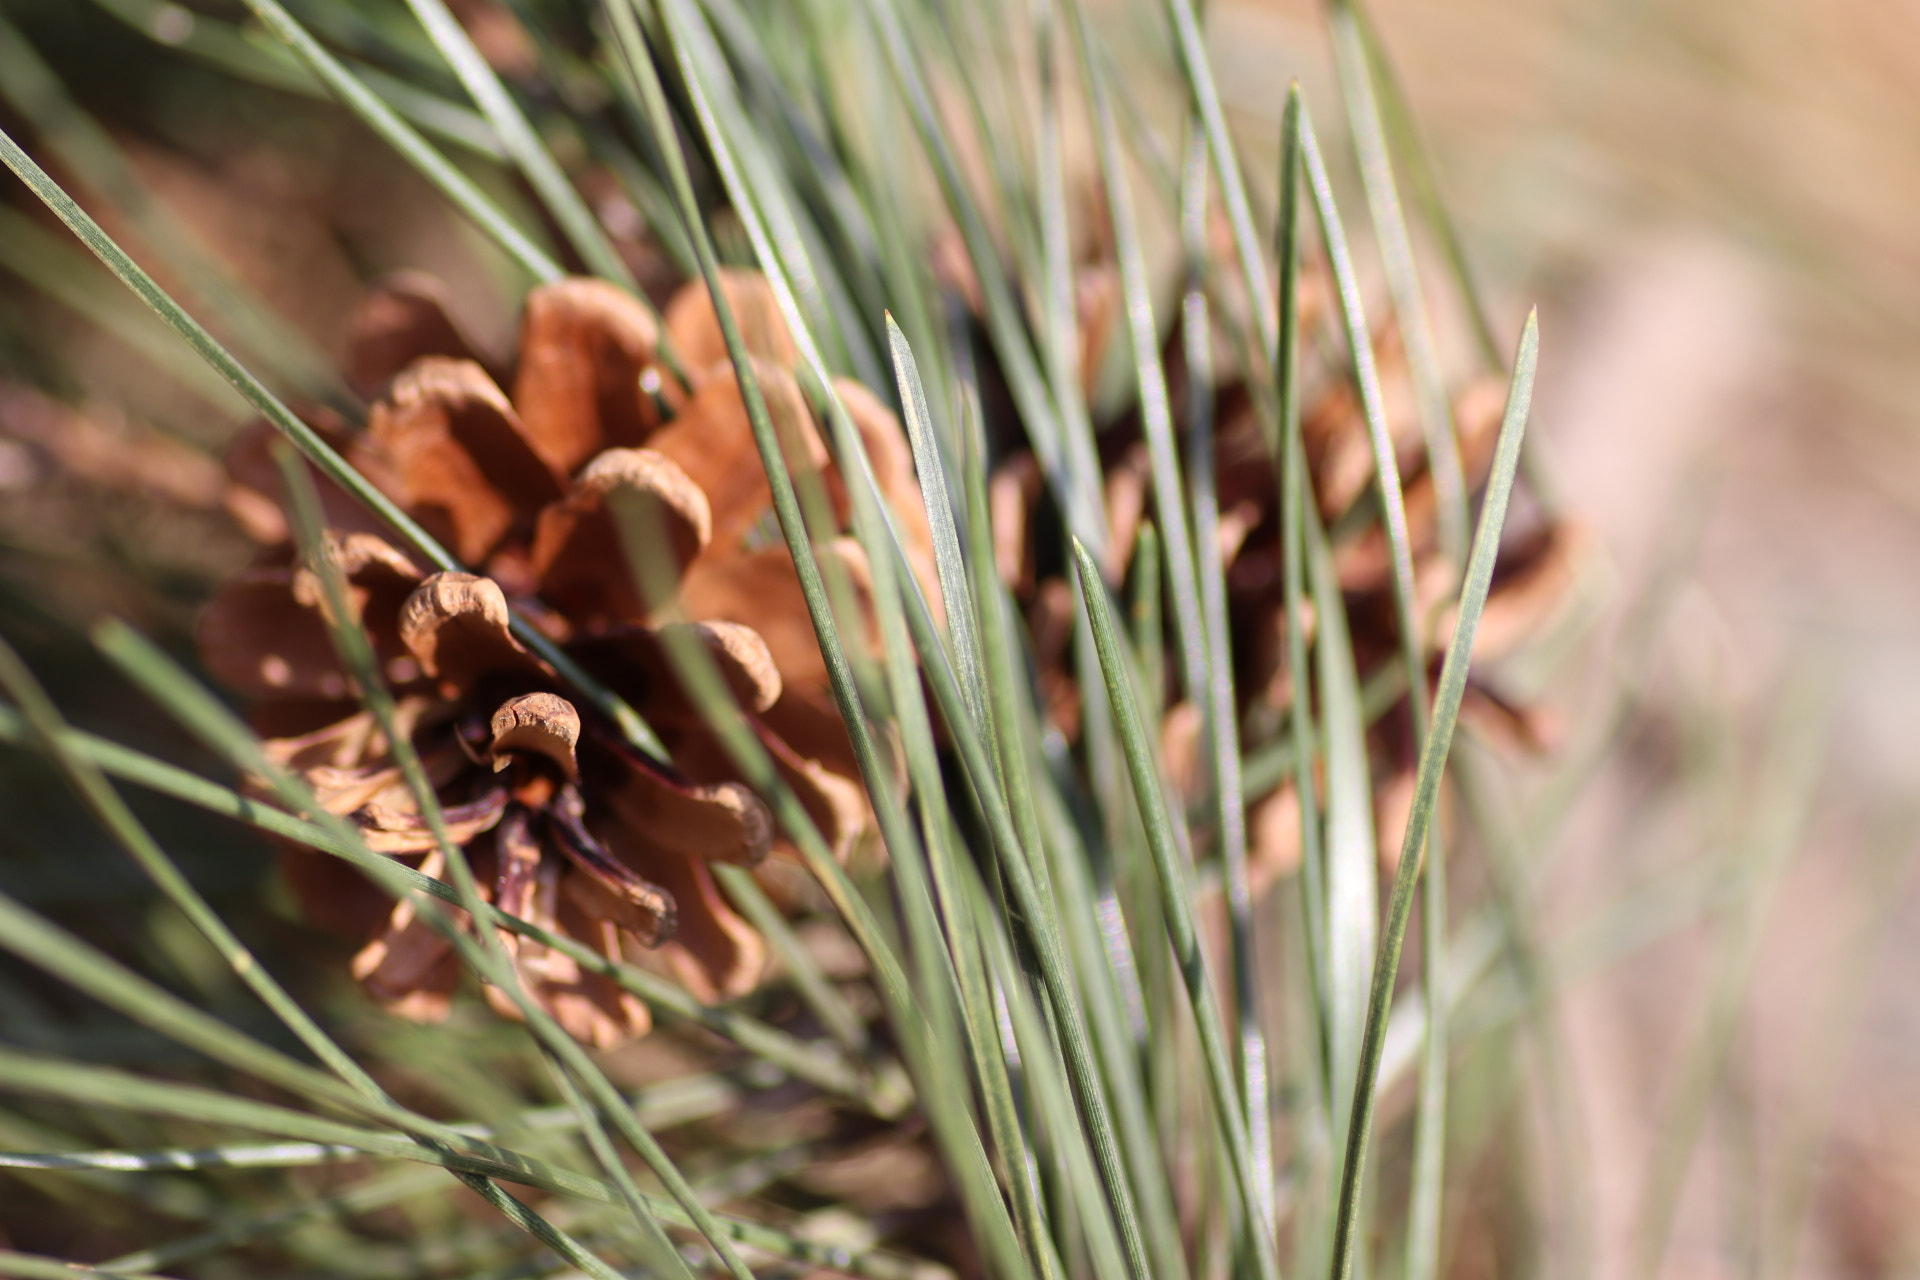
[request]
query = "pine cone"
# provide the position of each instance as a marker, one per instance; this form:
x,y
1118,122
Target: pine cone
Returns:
x,y
567,825
1535,569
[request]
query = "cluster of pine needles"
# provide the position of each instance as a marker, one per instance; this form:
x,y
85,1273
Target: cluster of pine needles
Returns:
x,y
1056,1026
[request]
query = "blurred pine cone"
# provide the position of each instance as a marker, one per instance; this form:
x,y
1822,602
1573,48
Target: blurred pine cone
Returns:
x,y
568,826
1535,570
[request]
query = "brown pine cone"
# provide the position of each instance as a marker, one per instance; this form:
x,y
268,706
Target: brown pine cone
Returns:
x,y
567,825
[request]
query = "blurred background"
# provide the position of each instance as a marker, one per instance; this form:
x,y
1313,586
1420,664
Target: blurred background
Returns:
x,y
1712,206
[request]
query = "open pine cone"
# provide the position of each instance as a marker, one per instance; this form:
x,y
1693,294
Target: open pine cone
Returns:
x,y
567,825
1535,570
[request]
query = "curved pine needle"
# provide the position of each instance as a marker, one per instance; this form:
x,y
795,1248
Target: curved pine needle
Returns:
x,y
964,926
1368,134
1366,374
1433,759
1177,909
949,561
